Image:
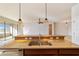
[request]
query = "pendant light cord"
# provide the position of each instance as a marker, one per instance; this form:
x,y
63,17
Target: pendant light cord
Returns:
x,y
19,10
45,10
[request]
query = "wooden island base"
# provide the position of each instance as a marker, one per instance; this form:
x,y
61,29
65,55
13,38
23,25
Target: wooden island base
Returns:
x,y
51,52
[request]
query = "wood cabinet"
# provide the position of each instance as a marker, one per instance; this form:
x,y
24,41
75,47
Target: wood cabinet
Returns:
x,y
39,52
20,38
41,37
71,52
51,52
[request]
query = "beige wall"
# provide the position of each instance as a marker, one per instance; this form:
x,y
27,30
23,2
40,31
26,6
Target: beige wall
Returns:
x,y
62,28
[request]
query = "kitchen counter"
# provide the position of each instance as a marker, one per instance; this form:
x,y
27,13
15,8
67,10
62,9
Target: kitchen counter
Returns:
x,y
58,48
55,44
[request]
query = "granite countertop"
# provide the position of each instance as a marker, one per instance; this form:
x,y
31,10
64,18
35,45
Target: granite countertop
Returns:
x,y
55,44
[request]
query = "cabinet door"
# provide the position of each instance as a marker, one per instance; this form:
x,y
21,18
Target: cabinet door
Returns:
x,y
40,52
70,52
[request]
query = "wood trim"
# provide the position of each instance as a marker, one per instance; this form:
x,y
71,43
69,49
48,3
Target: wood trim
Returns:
x,y
50,29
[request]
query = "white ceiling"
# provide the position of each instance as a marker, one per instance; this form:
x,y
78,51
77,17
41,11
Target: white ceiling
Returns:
x,y
34,11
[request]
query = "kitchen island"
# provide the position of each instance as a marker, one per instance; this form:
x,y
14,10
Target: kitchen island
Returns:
x,y
58,47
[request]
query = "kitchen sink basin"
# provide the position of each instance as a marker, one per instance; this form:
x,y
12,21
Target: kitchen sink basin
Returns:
x,y
39,43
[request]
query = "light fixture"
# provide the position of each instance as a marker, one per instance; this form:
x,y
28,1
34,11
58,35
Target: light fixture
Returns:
x,y
20,20
66,22
46,20
40,22
20,23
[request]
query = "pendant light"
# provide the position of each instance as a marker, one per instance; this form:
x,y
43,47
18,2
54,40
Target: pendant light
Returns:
x,y
20,23
20,20
46,20
40,22
66,22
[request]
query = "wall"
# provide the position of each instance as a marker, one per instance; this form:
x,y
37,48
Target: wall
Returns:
x,y
57,29
75,24
62,28
35,29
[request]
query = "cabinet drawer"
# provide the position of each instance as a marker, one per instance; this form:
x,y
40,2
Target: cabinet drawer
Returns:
x,y
40,51
69,51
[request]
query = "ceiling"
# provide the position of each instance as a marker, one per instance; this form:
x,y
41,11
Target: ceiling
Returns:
x,y
31,12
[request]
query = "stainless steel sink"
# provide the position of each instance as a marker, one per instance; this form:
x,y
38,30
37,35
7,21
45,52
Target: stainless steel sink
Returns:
x,y
39,43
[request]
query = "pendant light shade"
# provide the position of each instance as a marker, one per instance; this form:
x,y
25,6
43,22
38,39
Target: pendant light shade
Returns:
x,y
46,19
20,19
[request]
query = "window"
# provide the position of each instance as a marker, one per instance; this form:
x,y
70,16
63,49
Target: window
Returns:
x,y
1,31
6,31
